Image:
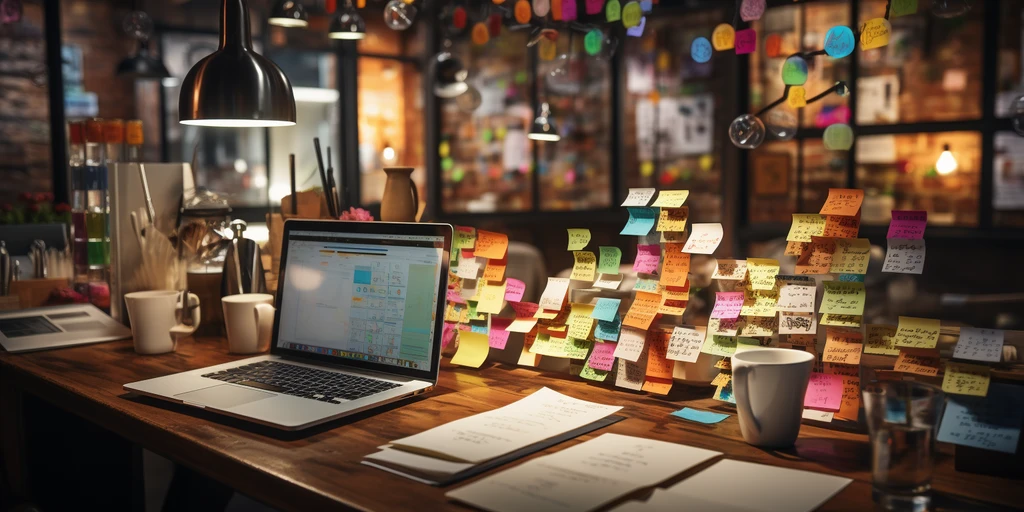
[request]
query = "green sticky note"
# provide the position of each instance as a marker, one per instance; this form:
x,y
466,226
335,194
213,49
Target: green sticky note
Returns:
x,y
902,8
794,71
593,41
521,77
613,10
592,374
838,137
447,163
717,345
463,239
608,262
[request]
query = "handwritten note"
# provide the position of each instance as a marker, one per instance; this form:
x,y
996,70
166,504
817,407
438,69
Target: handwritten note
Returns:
x,y
608,281
671,198
658,374
647,258
751,10
631,343
907,224
824,392
608,330
704,238
839,42
580,322
881,340
804,226
979,344
759,326
608,262
817,257
966,379
904,256
468,268
796,295
842,346
920,364
838,226
852,256
645,285
917,332
585,267
492,299
641,221
630,374
850,408
606,309
796,248
498,335
700,50
554,293
578,238
686,342
490,245
602,357
745,41
759,302
673,219
676,267
762,273
814,415
495,269
643,310
991,423
843,298
473,349
730,270
639,197
514,290
843,201
723,37
797,323
524,321
719,345
797,97
837,320
727,305
723,326
875,33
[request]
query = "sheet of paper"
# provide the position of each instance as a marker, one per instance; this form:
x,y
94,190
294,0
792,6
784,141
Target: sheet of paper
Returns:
x,y
917,332
904,256
804,226
641,221
686,342
639,197
843,201
843,298
630,375
842,346
795,248
593,374
727,305
643,310
966,379
850,408
417,465
927,365
719,345
990,423
796,297
696,415
602,357
797,323
498,335
671,198
608,262
824,392
676,266
704,238
492,298
585,266
514,290
564,347
578,238
908,224
490,245
730,270
852,256
658,374
673,219
881,340
494,271
648,256
454,296
762,272
554,293
608,281
473,348
979,344
608,330
817,257
631,344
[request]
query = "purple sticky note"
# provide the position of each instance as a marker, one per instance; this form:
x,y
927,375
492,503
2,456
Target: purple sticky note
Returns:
x,y
727,305
638,30
824,392
447,334
453,296
498,336
593,6
568,10
908,224
514,290
746,41
647,258
601,357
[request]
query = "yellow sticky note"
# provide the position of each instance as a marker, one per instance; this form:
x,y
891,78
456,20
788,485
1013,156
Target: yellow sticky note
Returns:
x,y
578,238
671,198
760,302
875,33
722,378
966,379
841,320
797,97
673,220
917,332
580,322
843,298
806,225
585,268
760,326
492,298
852,256
762,272
719,345
880,340
746,344
723,37
473,348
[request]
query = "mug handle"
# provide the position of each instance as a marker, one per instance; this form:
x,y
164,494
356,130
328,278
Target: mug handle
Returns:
x,y
745,404
264,326
181,329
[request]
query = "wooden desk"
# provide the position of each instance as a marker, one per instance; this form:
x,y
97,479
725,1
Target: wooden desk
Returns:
x,y
320,469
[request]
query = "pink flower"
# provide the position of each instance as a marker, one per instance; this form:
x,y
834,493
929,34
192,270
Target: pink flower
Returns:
x,y
359,214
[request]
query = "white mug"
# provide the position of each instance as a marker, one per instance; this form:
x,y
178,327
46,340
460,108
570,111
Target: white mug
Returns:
x,y
769,385
249,319
154,316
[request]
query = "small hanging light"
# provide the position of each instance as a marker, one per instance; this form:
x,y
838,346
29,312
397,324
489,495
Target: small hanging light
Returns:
x,y
143,64
288,13
946,163
348,24
449,75
544,126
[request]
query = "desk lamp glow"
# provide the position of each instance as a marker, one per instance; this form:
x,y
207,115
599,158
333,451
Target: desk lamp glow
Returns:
x,y
544,127
288,13
946,163
235,86
347,25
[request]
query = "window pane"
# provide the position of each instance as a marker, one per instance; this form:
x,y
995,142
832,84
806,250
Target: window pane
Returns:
x,y
765,79
1011,67
930,71
901,172
1008,180
486,159
823,71
773,182
575,172
822,169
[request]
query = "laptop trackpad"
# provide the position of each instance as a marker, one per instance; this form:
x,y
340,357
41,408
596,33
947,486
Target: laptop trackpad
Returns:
x,y
223,396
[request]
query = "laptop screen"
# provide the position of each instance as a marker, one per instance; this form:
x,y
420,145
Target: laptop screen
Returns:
x,y
361,296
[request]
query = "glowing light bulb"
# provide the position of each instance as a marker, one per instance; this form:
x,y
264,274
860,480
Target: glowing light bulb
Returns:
x,y
946,163
389,156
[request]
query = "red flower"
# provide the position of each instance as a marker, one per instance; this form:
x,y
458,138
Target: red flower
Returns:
x,y
25,197
47,196
41,197
62,208
34,208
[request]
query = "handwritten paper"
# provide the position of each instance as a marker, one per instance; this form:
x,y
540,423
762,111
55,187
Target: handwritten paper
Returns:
x,y
454,296
850,408
676,266
673,219
498,335
630,374
585,267
704,238
554,293
719,345
647,258
817,257
727,305
796,296
578,238
608,263
796,248
843,298
797,97
671,198
473,349
491,245
979,345
839,42
836,320
492,299
907,224
700,50
730,270
759,326
881,340
639,197
608,330
723,37
580,322
645,285
842,346
608,281
762,273
606,309
524,321
759,302
966,379
902,8
875,33
824,392
685,343
514,290
837,226
631,344
990,423
723,326
468,268
797,323
705,417
658,374
494,271
806,225
904,256
602,357
815,415
920,364
843,201
641,221
643,310
465,238
852,256
917,332
745,41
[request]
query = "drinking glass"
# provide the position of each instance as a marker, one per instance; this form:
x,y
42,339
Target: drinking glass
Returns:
x,y
903,419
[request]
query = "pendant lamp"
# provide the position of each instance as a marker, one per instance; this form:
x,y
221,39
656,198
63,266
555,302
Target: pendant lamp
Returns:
x,y
235,86
348,24
143,65
288,13
544,127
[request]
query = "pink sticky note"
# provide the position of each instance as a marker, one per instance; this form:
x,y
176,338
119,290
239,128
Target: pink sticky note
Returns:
x,y
498,336
453,296
647,258
908,224
514,290
593,6
525,309
727,305
601,357
824,392
568,10
746,41
447,334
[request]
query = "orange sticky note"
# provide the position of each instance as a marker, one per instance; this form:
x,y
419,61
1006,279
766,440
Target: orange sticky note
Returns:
x,y
643,310
838,226
495,270
920,364
842,346
673,220
850,407
491,245
843,201
675,266
794,248
658,377
817,257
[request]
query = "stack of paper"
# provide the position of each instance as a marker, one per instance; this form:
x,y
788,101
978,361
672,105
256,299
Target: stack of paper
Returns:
x,y
583,477
463,447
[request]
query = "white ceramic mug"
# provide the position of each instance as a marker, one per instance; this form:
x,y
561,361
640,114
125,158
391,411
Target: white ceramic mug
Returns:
x,y
155,318
249,319
769,385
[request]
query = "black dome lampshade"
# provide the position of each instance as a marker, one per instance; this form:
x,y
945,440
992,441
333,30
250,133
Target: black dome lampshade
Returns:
x,y
544,129
235,86
347,25
143,65
449,76
288,13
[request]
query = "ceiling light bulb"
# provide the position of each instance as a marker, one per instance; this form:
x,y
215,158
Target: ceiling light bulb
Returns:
x,y
946,163
544,126
288,13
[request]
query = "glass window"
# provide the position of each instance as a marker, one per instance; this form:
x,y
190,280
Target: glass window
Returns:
x,y
930,71
1010,79
772,178
1008,180
782,26
911,172
822,169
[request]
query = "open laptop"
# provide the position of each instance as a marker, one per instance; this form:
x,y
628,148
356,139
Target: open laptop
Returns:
x,y
358,323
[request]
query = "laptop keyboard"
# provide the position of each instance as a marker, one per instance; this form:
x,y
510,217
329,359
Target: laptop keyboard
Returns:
x,y
302,381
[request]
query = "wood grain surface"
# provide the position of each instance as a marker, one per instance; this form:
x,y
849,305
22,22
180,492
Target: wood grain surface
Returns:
x,y
319,469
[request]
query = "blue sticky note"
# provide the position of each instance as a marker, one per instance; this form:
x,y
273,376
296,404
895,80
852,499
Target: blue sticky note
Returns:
x,y
700,50
606,309
990,423
706,417
641,221
839,42
851,278
646,5
608,330
482,329
725,393
638,30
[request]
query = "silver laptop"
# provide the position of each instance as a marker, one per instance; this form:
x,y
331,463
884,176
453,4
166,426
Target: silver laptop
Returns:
x,y
359,313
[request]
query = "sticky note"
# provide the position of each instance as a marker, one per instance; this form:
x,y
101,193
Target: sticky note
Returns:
x,y
990,423
917,332
608,330
851,278
578,238
606,309
902,8
796,248
491,245
641,221
473,349
839,226
631,343
638,29
704,238
806,225
522,12
907,224
658,374
647,258
875,33
594,6
842,346
759,302
759,326
700,50
556,10
797,97
554,293
824,392
849,409
881,340
568,10
773,46
851,257
630,375
608,281
447,334
843,201
839,42
593,374
719,345
904,256
838,137
837,320
645,285
514,290
643,310
676,266
498,335
745,41
723,37
454,296
673,219
727,305
465,238
927,365
797,323
843,298
762,272
751,10
723,326
730,270
966,379
608,262
724,394
580,323
815,415
796,297
585,267
794,71
721,379
639,196
494,271
685,343
979,344
672,307
602,356
705,417
631,14
613,11
492,299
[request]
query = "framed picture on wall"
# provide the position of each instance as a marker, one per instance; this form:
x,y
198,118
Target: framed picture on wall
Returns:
x,y
771,173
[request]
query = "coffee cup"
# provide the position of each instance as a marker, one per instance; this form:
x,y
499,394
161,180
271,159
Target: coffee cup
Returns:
x,y
249,321
769,385
156,319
